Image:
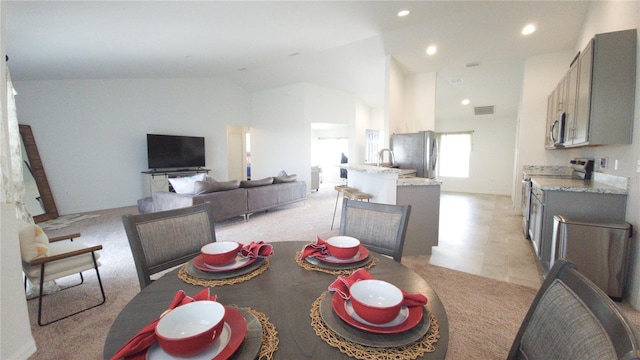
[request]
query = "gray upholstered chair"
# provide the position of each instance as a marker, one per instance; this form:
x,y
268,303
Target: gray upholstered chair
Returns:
x,y
164,239
571,318
379,227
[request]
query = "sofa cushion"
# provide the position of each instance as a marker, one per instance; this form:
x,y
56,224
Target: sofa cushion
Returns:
x,y
254,183
185,185
203,187
285,179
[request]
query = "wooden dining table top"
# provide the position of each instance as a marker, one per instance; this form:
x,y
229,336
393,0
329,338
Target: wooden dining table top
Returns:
x,y
285,293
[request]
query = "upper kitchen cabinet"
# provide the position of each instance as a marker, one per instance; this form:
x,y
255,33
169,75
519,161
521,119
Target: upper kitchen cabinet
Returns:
x,y
600,93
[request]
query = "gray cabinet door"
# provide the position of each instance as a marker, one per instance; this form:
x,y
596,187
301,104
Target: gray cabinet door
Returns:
x,y
583,101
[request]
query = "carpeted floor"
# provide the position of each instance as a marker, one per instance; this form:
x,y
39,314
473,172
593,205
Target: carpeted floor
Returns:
x,y
484,314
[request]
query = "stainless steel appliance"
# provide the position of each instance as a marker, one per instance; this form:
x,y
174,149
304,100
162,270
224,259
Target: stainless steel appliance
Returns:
x,y
417,151
557,131
600,250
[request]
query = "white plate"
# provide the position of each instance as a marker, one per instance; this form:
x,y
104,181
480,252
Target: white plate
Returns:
x,y
401,318
333,259
155,352
239,262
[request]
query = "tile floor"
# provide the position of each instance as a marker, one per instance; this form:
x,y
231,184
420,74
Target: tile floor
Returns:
x,y
482,234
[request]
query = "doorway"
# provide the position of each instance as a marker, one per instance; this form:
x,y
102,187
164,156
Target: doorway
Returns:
x,y
238,153
328,143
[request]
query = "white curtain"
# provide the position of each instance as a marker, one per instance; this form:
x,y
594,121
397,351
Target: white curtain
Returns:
x,y
12,185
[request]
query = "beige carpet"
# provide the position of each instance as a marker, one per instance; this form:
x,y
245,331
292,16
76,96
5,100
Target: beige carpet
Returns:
x,y
484,314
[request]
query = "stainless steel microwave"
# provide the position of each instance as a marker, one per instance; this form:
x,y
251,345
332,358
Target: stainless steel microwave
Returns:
x,y
557,131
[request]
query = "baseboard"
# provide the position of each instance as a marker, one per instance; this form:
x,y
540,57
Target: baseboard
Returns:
x,y
27,350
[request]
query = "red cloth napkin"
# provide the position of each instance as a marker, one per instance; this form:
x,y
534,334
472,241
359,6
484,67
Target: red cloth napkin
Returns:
x,y
257,250
342,284
136,348
315,249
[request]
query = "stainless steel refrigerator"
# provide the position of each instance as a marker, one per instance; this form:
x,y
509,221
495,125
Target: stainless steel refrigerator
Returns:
x,y
417,151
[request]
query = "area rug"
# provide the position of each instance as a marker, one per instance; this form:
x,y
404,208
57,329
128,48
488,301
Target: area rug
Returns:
x,y
64,221
484,314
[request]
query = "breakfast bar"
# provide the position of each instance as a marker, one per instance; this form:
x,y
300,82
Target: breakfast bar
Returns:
x,y
401,187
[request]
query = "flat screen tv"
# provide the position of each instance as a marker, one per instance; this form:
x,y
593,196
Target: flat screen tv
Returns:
x,y
171,151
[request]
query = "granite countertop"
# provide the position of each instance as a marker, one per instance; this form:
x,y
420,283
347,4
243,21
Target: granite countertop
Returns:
x,y
418,181
529,171
576,185
372,169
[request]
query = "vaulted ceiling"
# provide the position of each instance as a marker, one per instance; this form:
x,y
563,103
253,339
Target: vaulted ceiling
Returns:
x,y
264,44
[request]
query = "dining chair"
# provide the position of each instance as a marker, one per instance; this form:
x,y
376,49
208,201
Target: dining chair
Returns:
x,y
47,259
165,239
379,227
572,318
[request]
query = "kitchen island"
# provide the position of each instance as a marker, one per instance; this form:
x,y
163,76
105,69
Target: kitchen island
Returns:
x,y
401,187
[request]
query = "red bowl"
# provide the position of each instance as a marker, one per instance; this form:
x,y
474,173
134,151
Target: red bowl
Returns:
x,y
376,301
343,247
220,253
191,328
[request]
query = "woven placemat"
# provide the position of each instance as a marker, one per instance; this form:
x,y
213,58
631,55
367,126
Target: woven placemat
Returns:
x,y
186,277
302,263
407,352
270,339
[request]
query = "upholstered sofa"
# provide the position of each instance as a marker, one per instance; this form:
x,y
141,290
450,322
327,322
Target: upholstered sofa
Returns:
x,y
232,198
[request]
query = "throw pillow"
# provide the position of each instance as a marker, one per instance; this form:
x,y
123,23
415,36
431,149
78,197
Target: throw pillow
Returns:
x,y
34,243
285,179
282,173
185,185
254,183
204,187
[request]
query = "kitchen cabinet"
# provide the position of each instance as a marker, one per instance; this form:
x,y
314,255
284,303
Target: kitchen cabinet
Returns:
x,y
605,207
598,93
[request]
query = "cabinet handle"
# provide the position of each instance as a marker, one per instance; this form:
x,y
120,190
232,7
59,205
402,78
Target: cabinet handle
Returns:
x,y
551,131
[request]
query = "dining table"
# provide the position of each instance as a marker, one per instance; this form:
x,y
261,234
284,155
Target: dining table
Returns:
x,y
284,292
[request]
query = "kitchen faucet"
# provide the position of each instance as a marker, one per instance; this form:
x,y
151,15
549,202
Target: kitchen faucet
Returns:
x,y
381,155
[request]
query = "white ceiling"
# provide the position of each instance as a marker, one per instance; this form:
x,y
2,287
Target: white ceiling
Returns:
x,y
339,44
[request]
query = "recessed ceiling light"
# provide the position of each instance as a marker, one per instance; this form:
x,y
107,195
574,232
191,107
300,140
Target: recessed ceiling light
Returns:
x,y
529,29
431,50
402,13
465,102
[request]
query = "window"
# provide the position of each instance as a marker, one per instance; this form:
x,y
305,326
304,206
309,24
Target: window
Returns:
x,y
455,150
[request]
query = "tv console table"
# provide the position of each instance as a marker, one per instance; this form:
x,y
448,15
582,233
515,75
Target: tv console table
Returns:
x,y
158,180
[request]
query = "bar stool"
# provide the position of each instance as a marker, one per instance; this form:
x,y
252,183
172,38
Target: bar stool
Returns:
x,y
341,189
357,195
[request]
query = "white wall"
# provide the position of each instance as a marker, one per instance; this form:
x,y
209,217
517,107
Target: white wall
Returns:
x,y
91,134
394,101
281,126
364,121
419,102
280,136
541,75
492,155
